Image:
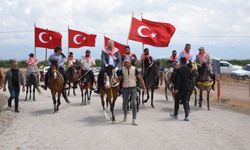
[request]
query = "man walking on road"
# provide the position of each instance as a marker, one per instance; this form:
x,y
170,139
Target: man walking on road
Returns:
x,y
129,75
182,87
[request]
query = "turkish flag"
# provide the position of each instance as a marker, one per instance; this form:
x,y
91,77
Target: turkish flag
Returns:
x,y
119,46
79,39
152,33
47,38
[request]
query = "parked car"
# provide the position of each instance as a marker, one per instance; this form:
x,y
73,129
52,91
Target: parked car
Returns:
x,y
227,68
243,73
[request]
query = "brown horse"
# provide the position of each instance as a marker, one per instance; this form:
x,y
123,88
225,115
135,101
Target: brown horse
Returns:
x,y
72,79
111,90
56,86
85,85
1,78
204,83
168,81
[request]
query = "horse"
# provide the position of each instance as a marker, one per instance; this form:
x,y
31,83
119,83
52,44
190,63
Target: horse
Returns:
x,y
204,83
56,86
1,78
85,85
151,79
110,89
32,80
72,78
168,76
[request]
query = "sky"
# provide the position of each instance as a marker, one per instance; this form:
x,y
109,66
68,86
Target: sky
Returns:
x,y
221,26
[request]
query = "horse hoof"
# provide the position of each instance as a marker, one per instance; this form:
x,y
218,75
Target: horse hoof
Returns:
x,y
152,106
208,109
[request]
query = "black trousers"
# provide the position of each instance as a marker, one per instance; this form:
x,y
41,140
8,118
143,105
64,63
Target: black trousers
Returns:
x,y
183,96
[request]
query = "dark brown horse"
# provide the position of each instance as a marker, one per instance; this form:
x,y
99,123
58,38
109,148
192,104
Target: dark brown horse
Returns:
x,y
85,85
32,81
151,79
72,79
56,86
111,90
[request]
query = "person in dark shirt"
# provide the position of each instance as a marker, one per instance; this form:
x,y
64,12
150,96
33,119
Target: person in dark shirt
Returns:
x,y
14,78
146,59
182,85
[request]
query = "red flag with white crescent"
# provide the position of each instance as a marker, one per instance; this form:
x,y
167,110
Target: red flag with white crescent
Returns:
x,y
117,45
47,38
79,39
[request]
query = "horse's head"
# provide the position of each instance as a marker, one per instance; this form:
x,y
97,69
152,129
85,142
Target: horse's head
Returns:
x,y
110,78
205,72
54,70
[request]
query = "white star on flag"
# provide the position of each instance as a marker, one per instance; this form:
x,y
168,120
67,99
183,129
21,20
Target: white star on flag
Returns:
x,y
153,35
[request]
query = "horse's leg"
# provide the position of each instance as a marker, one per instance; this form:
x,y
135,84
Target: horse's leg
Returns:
x,y
200,98
152,98
30,92
166,91
208,105
58,101
65,96
145,101
142,99
27,90
54,101
85,97
34,91
69,89
81,94
195,97
74,92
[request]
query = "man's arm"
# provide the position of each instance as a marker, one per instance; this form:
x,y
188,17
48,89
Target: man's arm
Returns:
x,y
103,60
119,64
141,81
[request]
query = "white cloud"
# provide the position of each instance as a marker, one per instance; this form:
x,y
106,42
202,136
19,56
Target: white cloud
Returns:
x,y
190,17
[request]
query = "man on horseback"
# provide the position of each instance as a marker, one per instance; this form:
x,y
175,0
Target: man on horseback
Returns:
x,y
87,63
58,57
173,58
32,67
146,59
203,58
129,75
129,55
110,57
186,53
182,83
70,62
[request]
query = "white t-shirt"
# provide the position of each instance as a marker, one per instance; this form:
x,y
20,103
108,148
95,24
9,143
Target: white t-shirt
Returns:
x,y
87,64
111,61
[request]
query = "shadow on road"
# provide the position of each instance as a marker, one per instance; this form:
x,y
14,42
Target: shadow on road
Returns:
x,y
42,112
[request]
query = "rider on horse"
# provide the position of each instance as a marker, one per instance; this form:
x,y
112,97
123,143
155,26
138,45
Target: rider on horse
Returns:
x,y
146,59
110,57
32,62
129,55
203,59
173,59
87,63
58,57
186,53
70,62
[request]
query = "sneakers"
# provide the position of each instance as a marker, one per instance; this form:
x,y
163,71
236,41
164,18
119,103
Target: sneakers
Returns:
x,y
186,119
9,104
134,122
173,115
17,111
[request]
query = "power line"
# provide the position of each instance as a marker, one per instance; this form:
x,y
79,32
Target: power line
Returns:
x,y
113,33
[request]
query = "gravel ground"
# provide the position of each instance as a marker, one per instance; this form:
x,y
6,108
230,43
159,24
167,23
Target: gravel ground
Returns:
x,y
84,127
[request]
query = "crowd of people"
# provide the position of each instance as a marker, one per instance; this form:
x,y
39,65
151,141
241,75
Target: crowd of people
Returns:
x,y
124,66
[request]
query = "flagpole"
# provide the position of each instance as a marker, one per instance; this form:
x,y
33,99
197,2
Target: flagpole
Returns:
x,y
68,40
130,27
142,51
34,39
46,54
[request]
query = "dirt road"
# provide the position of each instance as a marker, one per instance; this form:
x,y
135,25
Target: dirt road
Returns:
x,y
84,127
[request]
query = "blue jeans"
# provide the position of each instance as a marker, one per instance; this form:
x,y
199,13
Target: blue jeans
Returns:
x,y
125,95
14,94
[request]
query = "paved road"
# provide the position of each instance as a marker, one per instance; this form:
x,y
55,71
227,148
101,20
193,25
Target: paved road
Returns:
x,y
84,127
